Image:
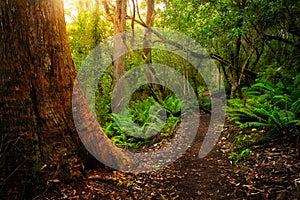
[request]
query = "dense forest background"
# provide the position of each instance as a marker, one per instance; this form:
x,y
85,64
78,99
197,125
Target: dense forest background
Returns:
x,y
255,45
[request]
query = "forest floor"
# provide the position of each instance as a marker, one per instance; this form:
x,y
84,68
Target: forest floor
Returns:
x,y
272,171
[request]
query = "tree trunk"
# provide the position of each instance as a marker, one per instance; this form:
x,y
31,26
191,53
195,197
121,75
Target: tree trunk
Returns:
x,y
147,52
148,34
119,62
235,60
36,81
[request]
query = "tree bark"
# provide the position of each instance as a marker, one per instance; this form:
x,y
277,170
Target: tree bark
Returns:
x,y
236,57
119,45
148,34
119,27
36,81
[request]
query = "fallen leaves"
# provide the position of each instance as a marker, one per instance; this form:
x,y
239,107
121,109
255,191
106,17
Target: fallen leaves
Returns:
x,y
272,171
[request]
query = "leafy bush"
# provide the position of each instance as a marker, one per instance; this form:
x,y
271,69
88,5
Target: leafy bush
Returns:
x,y
204,101
170,126
146,121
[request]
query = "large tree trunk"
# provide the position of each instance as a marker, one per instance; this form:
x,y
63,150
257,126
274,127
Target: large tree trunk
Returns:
x,y
36,81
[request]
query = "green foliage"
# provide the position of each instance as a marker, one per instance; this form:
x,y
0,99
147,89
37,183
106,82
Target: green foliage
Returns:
x,y
170,126
204,104
173,106
256,114
201,89
272,102
86,33
203,101
222,27
103,96
266,106
238,156
179,64
143,111
242,141
140,123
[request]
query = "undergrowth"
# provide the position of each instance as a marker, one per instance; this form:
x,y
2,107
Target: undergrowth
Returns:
x,y
269,111
144,122
276,108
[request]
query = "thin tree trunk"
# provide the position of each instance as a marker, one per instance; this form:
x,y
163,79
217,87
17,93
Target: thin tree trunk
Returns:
x,y
147,51
148,34
119,62
235,86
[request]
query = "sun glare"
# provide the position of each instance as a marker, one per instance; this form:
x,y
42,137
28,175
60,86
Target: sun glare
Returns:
x,y
70,11
71,8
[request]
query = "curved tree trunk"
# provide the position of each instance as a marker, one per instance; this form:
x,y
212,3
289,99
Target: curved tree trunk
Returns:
x,y
36,81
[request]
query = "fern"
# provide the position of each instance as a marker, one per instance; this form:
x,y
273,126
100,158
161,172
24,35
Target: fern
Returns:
x,y
173,105
295,108
260,115
136,125
273,108
254,124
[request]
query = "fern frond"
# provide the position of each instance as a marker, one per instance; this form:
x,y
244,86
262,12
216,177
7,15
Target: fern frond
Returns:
x,y
295,107
255,124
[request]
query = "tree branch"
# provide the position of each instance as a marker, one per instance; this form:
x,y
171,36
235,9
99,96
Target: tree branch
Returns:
x,y
138,12
194,54
246,63
278,38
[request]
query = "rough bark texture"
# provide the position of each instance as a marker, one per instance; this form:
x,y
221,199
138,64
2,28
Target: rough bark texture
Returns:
x,y
119,62
36,81
36,77
119,27
148,34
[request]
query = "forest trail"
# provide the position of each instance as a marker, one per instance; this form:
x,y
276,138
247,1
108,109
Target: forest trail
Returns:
x,y
189,177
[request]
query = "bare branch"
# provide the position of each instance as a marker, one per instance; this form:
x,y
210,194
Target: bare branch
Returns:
x,y
138,12
133,14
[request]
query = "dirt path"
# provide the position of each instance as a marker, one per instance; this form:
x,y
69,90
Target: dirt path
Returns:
x,y
213,177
